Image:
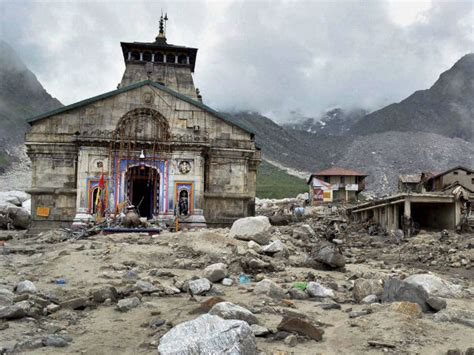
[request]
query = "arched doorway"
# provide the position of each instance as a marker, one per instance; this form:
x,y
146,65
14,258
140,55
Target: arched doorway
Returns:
x,y
94,199
143,186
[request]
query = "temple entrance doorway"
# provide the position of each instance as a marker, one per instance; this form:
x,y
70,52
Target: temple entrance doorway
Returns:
x,y
143,184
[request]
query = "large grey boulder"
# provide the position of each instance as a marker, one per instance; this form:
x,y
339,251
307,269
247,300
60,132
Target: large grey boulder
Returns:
x,y
209,334
269,288
251,228
366,287
398,290
228,310
127,304
435,286
20,217
13,198
199,286
215,272
315,289
25,287
329,255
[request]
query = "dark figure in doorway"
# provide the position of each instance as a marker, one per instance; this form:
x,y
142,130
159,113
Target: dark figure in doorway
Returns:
x,y
183,203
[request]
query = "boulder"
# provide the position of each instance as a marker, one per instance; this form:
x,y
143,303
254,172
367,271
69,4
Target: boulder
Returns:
x,y
127,304
254,246
228,310
100,294
209,334
199,286
144,287
13,198
297,294
280,220
215,272
274,247
227,282
20,217
269,288
76,303
398,290
6,297
329,255
315,289
25,287
15,311
436,303
251,228
57,341
365,287
259,331
456,315
435,286
301,327
410,309
370,299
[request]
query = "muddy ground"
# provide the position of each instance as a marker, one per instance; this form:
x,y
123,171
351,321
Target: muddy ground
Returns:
x,y
69,269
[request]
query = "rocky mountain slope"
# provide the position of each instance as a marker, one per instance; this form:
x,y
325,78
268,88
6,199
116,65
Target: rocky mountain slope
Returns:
x,y
21,96
430,130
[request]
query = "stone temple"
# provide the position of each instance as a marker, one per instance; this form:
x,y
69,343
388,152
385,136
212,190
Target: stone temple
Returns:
x,y
151,143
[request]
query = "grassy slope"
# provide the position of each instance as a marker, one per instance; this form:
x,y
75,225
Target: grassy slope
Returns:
x,y
273,182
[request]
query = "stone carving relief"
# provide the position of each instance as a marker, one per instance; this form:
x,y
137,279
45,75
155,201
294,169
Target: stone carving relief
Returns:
x,y
184,167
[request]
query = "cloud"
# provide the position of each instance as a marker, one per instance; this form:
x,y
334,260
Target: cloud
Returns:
x,y
269,56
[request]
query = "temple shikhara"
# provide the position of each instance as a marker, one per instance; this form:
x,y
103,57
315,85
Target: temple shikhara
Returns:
x,y
150,143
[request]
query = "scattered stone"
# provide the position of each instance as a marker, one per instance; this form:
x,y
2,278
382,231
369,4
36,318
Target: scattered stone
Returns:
x,y
291,340
28,344
215,272
357,314
206,306
274,247
127,304
57,341
456,315
370,299
6,297
144,287
297,294
436,303
25,287
52,308
258,330
156,323
228,310
15,311
269,288
76,303
227,282
363,288
199,286
209,334
408,308
315,289
381,344
329,255
330,306
99,295
301,327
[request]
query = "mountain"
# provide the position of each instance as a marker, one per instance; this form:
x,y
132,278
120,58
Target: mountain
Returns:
x,y
447,108
21,96
430,130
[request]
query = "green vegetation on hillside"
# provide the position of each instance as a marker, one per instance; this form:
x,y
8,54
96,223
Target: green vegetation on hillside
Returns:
x,y
273,182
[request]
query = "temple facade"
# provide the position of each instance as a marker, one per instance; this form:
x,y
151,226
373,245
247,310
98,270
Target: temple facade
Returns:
x,y
150,143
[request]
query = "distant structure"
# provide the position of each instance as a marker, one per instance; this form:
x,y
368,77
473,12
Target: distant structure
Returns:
x,y
409,183
335,184
151,143
448,180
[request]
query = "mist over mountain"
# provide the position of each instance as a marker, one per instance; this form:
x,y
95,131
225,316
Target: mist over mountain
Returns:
x,y
21,96
432,129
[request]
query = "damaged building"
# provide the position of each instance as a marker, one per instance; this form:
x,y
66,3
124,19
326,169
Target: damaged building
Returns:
x,y
151,143
425,201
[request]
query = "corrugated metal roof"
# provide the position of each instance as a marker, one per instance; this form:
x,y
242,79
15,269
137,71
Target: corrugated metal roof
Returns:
x,y
337,171
166,89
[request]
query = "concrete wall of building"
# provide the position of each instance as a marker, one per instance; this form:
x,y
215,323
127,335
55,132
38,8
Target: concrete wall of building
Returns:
x,y
177,77
227,150
465,178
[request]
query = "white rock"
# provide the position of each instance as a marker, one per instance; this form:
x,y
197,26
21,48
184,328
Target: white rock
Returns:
x,y
258,330
25,287
209,334
127,304
254,246
228,310
273,247
315,289
249,226
199,286
435,286
227,282
215,272
370,299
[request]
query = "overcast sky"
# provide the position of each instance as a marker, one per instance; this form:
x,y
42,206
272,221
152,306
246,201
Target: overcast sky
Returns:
x,y
268,56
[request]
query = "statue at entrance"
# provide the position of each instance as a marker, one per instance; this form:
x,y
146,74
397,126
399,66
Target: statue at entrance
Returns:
x,y
183,206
